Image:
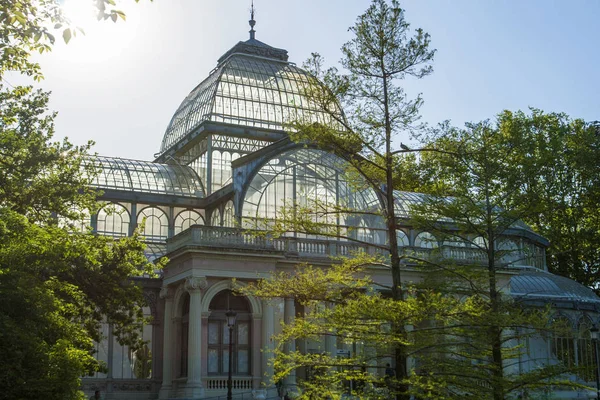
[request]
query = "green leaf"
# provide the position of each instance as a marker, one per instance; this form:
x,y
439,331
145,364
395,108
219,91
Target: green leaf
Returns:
x,y
67,35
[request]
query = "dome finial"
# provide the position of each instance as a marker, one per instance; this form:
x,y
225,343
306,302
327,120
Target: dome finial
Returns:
x,y
252,22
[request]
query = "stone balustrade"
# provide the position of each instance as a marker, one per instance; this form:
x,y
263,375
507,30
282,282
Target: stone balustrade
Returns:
x,y
233,238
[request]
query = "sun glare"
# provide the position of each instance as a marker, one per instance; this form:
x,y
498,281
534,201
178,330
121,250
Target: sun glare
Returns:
x,y
100,40
80,13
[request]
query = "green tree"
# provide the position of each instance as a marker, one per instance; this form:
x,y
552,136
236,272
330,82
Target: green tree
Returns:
x,y
479,192
383,52
57,282
343,303
565,153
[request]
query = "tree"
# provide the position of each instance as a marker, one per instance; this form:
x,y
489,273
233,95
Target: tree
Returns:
x,y
480,188
565,154
376,109
343,303
58,282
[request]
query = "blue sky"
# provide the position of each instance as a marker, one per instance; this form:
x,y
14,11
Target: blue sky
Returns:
x,y
120,84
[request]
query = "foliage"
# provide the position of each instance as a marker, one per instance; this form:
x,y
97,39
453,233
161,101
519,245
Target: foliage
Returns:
x,y
57,282
382,53
343,303
30,26
565,153
478,193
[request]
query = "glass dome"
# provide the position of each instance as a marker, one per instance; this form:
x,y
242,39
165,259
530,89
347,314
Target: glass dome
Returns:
x,y
253,86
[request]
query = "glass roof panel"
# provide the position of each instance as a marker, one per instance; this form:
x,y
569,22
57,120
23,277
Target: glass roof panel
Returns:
x,y
545,284
246,91
144,176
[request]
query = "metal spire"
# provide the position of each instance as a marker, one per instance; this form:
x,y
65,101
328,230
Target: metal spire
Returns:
x,y
252,22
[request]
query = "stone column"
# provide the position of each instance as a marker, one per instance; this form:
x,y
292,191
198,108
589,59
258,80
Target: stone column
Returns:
x,y
168,340
268,330
289,313
194,286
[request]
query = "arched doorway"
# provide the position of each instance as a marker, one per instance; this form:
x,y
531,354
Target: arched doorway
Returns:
x,y
218,335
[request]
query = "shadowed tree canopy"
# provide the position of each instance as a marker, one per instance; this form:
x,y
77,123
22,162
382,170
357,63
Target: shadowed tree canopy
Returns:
x,y
58,280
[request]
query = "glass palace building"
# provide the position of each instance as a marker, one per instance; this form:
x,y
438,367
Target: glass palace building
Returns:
x,y
226,162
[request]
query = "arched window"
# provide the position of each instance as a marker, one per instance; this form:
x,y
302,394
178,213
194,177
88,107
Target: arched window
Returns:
x,y
316,180
113,220
218,335
187,218
401,238
156,226
585,351
215,218
228,214
562,345
184,335
426,240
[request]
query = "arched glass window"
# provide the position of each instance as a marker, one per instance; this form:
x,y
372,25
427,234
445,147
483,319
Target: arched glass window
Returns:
x,y
156,225
218,335
364,233
401,238
426,240
316,180
187,218
113,220
228,214
585,351
215,218
562,345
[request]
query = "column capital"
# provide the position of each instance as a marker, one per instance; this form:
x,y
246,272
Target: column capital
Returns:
x,y
193,284
166,293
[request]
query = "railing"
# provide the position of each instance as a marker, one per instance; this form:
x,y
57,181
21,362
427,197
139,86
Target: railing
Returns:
x,y
244,383
220,237
233,238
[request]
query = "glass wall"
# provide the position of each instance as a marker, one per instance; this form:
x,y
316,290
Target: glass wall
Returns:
x,y
316,180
